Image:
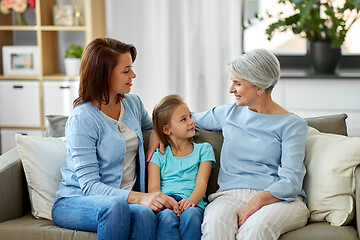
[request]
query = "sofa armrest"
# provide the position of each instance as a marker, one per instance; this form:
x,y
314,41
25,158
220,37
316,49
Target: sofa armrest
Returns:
x,y
357,198
13,187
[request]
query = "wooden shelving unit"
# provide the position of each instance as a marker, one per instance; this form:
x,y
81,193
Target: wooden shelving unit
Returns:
x,y
47,42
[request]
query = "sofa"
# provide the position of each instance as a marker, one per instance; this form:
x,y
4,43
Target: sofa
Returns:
x,y
17,222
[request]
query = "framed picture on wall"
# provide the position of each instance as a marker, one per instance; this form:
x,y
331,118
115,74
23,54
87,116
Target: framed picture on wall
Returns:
x,y
20,60
63,15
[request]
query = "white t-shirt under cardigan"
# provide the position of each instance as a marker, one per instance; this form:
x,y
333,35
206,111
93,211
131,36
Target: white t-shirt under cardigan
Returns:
x,y
132,143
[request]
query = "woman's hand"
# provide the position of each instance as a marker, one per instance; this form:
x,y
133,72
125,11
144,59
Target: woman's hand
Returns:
x,y
254,204
154,143
184,204
157,201
250,208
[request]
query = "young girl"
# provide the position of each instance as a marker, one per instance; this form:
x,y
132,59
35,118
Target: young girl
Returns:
x,y
182,172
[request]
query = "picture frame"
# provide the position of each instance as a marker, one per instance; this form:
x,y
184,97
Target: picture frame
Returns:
x,y
63,15
20,60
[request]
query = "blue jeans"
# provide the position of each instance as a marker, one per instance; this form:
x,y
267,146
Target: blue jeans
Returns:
x,y
187,226
110,216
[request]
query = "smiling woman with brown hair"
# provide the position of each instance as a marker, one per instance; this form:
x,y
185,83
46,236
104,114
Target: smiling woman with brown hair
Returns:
x,y
103,181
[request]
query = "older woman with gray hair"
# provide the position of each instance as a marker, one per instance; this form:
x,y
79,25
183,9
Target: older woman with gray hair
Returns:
x,y
261,174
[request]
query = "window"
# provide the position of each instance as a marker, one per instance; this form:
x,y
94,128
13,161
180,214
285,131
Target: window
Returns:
x,y
286,45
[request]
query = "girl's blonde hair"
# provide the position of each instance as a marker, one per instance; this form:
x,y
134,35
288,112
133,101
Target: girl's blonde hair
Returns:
x,y
162,114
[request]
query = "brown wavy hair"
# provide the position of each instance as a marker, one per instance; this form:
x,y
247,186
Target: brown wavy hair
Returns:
x,y
97,63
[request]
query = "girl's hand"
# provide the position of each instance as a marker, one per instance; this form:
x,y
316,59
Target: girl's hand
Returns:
x,y
157,201
184,204
154,143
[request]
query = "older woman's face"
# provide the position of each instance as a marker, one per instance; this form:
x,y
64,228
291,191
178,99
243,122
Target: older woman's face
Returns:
x,y
245,93
122,75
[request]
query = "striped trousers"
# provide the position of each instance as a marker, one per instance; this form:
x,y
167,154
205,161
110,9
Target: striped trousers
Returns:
x,y
269,222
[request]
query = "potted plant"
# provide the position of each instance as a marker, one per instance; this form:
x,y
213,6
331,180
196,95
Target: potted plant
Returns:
x,y
324,23
73,59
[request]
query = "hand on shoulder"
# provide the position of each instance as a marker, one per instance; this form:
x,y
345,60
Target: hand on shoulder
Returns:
x,y
154,143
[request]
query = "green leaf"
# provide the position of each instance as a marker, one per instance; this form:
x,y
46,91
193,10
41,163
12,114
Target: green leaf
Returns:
x,y
317,20
74,51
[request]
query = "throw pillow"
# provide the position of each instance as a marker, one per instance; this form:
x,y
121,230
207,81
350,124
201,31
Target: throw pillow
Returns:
x,y
42,159
330,180
334,124
56,126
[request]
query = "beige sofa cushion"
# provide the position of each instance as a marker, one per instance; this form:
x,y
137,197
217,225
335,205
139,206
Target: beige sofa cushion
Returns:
x,y
29,228
330,181
321,231
42,159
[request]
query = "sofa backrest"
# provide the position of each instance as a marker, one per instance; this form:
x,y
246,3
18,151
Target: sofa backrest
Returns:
x,y
17,202
328,124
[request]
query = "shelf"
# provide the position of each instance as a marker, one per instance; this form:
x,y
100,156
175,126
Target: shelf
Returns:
x,y
62,28
22,127
298,73
60,77
47,39
42,28
18,28
19,77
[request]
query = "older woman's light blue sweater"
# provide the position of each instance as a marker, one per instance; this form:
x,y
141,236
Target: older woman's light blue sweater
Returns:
x,y
260,151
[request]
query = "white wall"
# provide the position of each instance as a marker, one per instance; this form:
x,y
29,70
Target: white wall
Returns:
x,y
125,21
183,47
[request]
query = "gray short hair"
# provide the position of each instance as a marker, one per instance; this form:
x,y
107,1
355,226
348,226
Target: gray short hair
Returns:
x,y
259,67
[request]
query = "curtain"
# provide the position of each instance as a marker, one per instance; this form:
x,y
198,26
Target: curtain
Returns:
x,y
183,47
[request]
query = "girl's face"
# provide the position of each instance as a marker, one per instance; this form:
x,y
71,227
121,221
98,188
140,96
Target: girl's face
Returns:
x,y
181,124
122,75
245,93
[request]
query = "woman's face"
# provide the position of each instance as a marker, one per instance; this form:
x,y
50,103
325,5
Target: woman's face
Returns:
x,y
245,93
122,75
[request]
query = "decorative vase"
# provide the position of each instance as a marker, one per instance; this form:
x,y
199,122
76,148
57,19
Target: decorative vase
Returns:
x,y
20,18
324,59
72,66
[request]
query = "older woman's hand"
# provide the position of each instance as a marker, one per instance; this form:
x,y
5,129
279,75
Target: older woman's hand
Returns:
x,y
154,143
254,204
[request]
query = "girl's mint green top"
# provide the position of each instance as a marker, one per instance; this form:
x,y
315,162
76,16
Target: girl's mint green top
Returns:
x,y
178,174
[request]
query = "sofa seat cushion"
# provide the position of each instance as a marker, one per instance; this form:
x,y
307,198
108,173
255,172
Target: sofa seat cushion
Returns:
x,y
27,227
30,228
322,231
